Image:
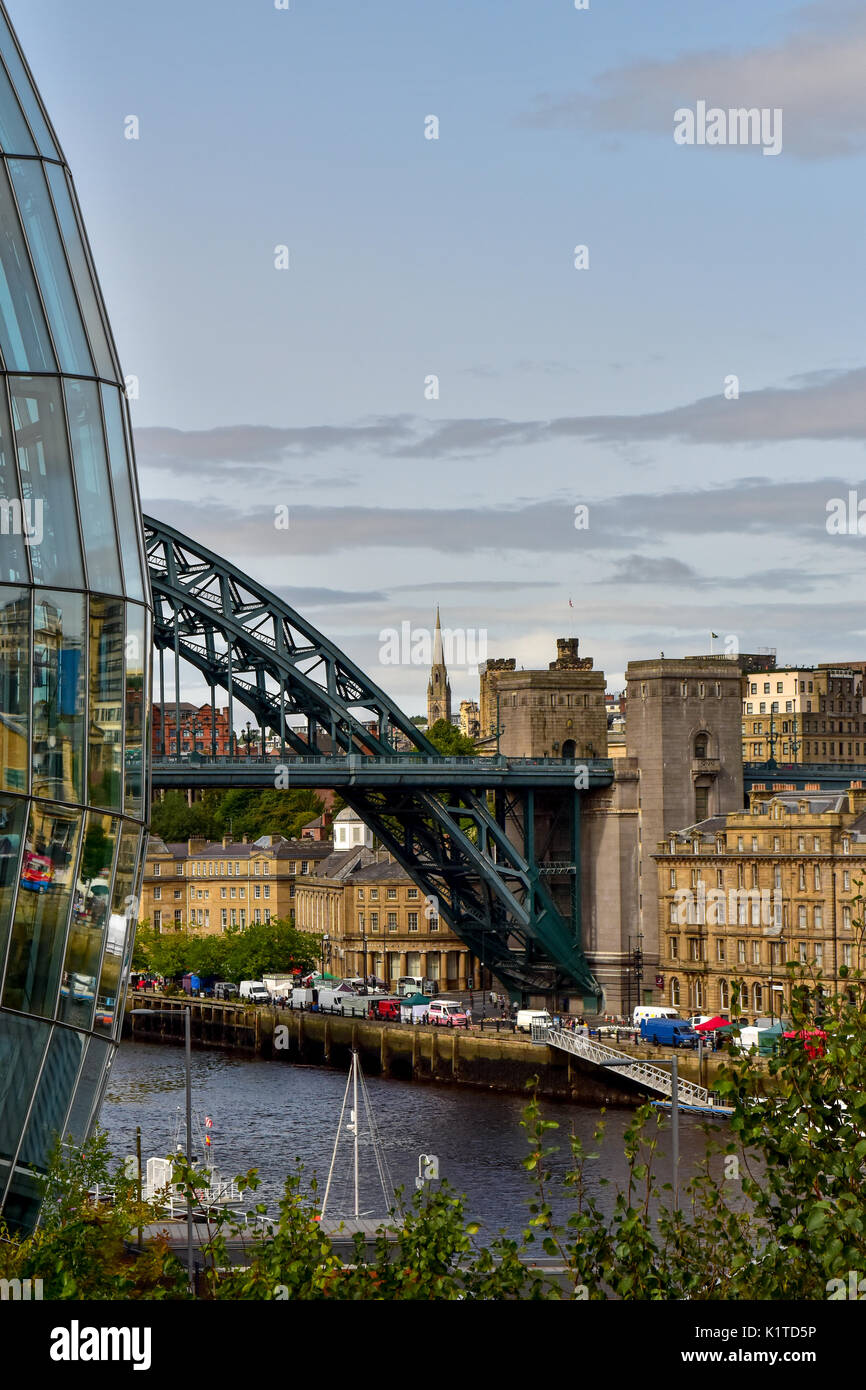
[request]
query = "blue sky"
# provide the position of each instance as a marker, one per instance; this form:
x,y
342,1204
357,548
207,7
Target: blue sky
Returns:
x,y
410,257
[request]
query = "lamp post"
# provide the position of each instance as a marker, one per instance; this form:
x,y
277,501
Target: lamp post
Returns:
x,y
326,946
170,1013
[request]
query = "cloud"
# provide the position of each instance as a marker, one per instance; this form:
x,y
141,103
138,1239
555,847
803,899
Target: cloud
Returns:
x,y
823,405
625,523
645,569
814,74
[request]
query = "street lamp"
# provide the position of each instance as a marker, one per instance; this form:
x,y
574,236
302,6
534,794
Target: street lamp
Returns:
x,y
326,947
171,1013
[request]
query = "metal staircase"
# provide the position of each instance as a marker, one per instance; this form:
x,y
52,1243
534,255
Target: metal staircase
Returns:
x,y
653,1078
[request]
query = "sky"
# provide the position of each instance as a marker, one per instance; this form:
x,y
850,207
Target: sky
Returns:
x,y
606,387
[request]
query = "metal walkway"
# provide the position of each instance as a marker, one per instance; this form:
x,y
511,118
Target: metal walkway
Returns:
x,y
653,1078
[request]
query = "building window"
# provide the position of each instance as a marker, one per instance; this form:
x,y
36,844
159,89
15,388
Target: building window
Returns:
x,y
720,948
412,893
157,870
801,918
157,921
723,994
817,878
741,952
673,947
392,921
266,868
819,917
675,993
360,895
305,866
847,954
257,890
392,893
757,998
846,918
361,920
374,921
756,953
267,890
413,921
695,948
157,894
819,953
374,893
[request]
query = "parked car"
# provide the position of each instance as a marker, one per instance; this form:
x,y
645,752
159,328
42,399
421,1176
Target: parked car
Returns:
x,y
223,989
447,1012
668,1032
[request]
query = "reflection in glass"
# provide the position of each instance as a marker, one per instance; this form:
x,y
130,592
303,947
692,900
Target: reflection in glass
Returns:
x,y
52,271
19,528
22,1043
14,689
23,333
13,814
94,490
58,695
89,920
44,900
46,1125
81,273
121,924
105,730
86,1092
136,650
124,498
43,458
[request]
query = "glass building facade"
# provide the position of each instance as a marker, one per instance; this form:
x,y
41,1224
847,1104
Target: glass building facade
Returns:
x,y
75,652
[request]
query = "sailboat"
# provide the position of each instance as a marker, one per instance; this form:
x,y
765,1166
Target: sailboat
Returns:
x,y
355,1216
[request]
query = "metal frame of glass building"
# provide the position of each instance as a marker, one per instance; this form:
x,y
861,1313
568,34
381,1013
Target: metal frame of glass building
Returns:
x,y
75,654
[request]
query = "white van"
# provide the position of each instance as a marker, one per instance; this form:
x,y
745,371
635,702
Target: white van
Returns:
x,y
526,1018
653,1011
255,991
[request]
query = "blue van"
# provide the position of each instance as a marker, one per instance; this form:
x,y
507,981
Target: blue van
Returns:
x,y
668,1032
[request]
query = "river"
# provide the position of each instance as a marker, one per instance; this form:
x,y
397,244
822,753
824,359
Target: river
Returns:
x,y
266,1114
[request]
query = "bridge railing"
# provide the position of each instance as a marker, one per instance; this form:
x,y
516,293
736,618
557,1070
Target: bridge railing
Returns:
x,y
377,760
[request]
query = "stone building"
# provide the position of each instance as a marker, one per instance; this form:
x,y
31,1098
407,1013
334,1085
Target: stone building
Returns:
x,y
207,886
811,714
557,713
742,894
438,686
682,764
470,719
373,920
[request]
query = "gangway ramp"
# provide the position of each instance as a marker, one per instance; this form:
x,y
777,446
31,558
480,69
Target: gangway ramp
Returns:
x,y
653,1078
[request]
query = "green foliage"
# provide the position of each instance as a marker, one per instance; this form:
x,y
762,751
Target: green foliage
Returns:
x,y
237,813
449,740
239,953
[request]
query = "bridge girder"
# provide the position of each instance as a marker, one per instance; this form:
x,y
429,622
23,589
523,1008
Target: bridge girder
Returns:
x,y
240,636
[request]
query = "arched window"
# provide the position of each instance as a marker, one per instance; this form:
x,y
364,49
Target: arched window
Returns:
x,y
701,745
698,994
675,993
757,998
569,749
724,1001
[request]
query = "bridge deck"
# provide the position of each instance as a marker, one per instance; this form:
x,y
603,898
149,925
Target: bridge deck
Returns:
x,y
356,770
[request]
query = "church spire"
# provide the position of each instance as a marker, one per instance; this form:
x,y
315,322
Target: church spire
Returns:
x,y
438,686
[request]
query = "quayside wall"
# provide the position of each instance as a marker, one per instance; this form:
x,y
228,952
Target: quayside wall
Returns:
x,y
407,1052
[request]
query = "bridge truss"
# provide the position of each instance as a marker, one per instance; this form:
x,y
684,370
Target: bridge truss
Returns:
x,y
492,860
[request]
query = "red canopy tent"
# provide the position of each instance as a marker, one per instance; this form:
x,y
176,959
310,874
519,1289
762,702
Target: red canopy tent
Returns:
x,y
713,1025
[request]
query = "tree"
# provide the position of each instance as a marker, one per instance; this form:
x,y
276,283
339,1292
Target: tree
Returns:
x,y
448,739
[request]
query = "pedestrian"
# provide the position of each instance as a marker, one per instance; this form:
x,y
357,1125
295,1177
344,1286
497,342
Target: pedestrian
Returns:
x,y
468,1018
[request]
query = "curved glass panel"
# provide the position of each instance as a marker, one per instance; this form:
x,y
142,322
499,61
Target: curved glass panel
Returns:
x,y
46,479
47,880
14,689
19,526
94,489
52,271
58,695
75,635
89,921
105,736
73,240
124,496
26,92
24,338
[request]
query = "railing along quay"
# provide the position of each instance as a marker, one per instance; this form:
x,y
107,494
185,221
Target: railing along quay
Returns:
x,y
654,1078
